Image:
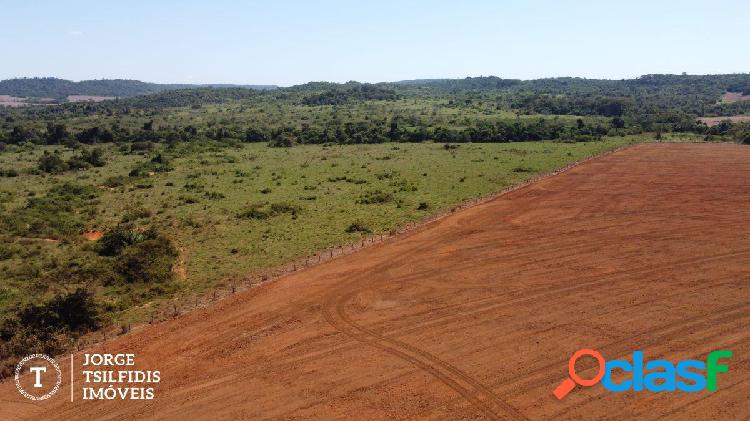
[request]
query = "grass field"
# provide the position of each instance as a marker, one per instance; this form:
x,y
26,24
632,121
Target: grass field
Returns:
x,y
232,211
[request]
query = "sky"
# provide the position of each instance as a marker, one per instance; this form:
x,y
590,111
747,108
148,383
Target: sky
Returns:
x,y
292,42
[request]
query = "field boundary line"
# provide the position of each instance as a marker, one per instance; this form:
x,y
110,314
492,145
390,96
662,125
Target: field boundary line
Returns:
x,y
331,253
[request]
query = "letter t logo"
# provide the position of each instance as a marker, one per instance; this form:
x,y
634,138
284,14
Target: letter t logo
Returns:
x,y
38,371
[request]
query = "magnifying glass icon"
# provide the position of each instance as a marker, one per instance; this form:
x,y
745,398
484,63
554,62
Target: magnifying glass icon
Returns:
x,y
570,383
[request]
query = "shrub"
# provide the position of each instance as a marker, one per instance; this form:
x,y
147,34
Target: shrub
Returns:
x,y
423,206
358,227
255,135
48,327
114,181
265,211
52,163
134,213
87,158
75,312
141,146
255,211
8,250
213,195
375,197
283,140
158,163
150,261
116,239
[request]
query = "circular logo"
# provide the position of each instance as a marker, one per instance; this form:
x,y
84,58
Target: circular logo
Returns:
x,y
39,385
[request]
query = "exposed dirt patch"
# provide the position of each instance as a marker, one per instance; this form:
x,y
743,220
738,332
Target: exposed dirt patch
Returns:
x,y
88,98
474,317
93,235
712,121
12,101
731,97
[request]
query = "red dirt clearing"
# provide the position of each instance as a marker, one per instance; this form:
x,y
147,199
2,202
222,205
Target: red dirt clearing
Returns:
x,y
476,315
88,98
731,97
12,101
712,121
93,235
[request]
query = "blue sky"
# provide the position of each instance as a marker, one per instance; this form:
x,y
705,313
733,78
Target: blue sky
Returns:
x,y
290,42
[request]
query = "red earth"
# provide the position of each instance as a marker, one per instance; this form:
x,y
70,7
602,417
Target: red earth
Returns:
x,y
476,315
730,97
712,121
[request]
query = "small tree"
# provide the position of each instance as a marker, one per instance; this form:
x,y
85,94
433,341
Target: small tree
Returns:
x,y
52,163
148,261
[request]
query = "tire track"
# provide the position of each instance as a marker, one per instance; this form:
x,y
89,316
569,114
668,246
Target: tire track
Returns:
x,y
453,312
474,392
538,377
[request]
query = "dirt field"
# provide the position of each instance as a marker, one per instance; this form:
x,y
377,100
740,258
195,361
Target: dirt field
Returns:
x,y
15,102
730,97
88,98
12,101
712,121
476,315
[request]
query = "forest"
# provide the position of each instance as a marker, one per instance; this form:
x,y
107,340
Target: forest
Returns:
x,y
480,109
49,87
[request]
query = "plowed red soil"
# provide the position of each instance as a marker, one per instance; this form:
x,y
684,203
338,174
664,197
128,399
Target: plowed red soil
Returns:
x,y
476,315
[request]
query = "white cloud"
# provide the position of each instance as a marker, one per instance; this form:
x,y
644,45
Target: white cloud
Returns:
x,y
75,33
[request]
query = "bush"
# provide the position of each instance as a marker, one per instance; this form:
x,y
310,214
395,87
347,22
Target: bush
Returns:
x,y
134,213
375,197
116,239
150,261
87,158
48,327
523,169
157,164
52,163
74,312
114,181
265,211
8,250
283,140
358,227
141,146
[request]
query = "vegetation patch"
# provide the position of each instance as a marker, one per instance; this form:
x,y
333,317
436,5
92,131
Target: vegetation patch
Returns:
x,y
266,210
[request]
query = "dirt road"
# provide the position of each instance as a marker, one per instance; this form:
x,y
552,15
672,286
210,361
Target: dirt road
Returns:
x,y
476,315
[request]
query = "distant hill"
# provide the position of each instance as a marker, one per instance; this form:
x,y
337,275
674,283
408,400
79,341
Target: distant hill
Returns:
x,y
49,87
481,82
